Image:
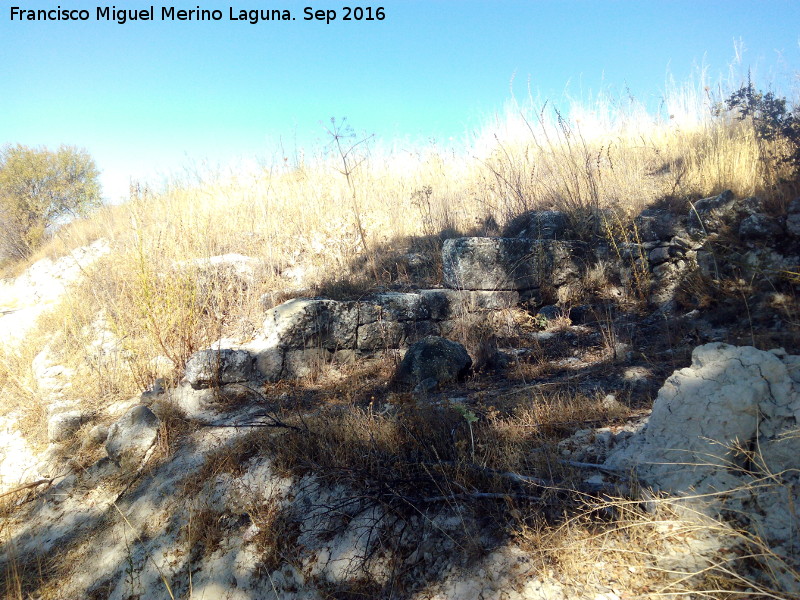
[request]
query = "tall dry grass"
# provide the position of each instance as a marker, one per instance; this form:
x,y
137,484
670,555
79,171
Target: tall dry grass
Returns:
x,y
350,215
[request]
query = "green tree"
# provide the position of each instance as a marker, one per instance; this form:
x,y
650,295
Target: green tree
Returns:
x,y
772,120
40,188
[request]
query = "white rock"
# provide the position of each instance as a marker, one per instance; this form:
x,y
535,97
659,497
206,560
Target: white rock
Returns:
x,y
722,425
61,426
130,438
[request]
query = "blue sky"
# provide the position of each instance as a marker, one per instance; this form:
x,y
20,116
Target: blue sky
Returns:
x,y
152,98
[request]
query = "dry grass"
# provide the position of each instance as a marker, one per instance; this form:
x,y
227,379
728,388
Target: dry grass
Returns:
x,y
657,547
320,226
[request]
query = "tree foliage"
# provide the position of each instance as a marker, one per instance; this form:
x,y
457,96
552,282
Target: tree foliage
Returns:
x,y
772,120
40,188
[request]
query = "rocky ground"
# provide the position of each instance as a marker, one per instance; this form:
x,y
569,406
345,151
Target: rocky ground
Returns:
x,y
542,471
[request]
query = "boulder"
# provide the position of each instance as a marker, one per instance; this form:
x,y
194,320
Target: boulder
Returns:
x,y
208,368
130,438
509,263
759,227
539,225
712,214
726,426
312,323
63,425
432,362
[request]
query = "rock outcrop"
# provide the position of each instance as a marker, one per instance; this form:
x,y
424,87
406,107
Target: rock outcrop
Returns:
x,y
431,363
517,264
130,438
219,367
725,432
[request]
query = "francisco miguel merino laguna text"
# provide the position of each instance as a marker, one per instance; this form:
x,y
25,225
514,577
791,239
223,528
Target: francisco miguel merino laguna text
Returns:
x,y
170,13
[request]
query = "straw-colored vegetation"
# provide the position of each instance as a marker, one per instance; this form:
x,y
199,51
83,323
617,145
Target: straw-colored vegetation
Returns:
x,y
357,217
344,222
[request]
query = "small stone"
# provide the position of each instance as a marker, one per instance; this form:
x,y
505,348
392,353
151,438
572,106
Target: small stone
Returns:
x,y
62,426
130,438
759,227
550,312
659,255
98,434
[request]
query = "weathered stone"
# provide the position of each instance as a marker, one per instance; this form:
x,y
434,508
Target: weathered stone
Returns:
x,y
98,434
665,270
345,357
793,218
269,363
379,335
383,335
509,263
657,225
759,227
711,214
397,306
630,250
63,425
435,358
750,206
461,326
130,438
479,301
185,398
444,304
681,243
707,264
416,330
369,312
304,363
724,427
659,255
539,225
550,312
156,390
208,368
312,323
768,265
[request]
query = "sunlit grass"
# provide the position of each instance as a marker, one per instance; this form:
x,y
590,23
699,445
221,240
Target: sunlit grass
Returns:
x,y
310,222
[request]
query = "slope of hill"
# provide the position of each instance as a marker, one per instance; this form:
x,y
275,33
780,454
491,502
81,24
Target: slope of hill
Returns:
x,y
211,407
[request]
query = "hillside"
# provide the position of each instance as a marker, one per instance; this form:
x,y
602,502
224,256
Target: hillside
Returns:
x,y
564,363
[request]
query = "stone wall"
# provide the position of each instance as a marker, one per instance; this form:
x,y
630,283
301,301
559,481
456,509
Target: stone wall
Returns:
x,y
302,333
487,274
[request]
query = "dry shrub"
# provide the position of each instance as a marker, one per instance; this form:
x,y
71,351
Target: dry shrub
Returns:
x,y
277,530
229,458
298,221
654,548
174,426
